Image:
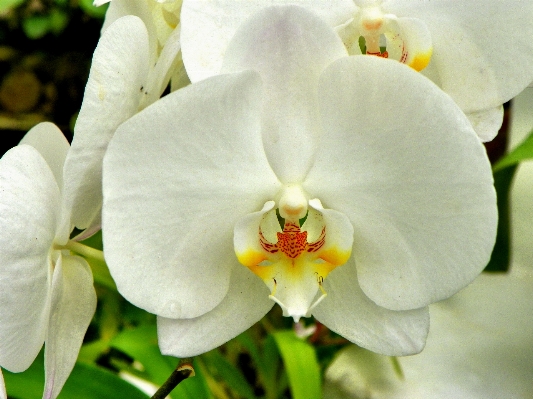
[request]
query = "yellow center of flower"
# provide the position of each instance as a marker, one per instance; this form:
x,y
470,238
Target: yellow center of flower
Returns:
x,y
293,261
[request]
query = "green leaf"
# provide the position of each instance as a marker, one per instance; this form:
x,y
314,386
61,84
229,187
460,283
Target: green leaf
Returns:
x,y
58,20
85,382
501,254
299,358
88,8
230,374
91,351
8,4
520,153
141,344
36,26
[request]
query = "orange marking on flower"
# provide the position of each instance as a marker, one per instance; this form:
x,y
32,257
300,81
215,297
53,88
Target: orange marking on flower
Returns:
x,y
267,246
292,242
315,246
372,24
380,54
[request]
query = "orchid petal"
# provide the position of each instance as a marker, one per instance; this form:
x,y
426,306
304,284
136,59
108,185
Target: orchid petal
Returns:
x,y
350,313
482,50
244,305
246,235
51,144
29,199
424,216
171,201
112,95
208,27
479,347
139,8
73,306
416,42
289,47
160,75
487,123
3,394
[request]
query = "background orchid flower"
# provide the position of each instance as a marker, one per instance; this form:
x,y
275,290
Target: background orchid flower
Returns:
x,y
479,347
126,75
46,294
479,52
384,189
161,17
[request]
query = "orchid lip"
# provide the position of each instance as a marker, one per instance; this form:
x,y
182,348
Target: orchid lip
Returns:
x,y
294,254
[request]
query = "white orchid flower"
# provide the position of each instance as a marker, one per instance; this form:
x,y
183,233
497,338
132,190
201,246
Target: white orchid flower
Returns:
x,y
46,294
479,347
479,52
126,75
384,189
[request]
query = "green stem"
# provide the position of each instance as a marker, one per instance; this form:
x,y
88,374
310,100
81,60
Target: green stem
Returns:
x,y
182,372
84,250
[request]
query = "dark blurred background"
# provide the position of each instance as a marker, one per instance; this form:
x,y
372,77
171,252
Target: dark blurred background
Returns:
x,y
46,48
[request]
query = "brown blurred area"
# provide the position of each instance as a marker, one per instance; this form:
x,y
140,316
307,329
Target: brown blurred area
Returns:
x,y
43,79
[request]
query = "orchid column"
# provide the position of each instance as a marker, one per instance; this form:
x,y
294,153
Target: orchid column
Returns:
x,y
349,188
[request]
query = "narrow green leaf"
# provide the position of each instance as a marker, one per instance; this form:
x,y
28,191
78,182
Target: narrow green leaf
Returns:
x,y
249,343
501,254
520,153
230,374
141,344
90,352
299,358
271,365
85,382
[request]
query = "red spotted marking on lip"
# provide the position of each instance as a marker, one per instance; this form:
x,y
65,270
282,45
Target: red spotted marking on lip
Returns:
x,y
292,241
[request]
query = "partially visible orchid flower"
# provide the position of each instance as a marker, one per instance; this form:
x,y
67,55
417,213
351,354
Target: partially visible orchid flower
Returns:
x,y
353,187
127,74
479,52
479,347
46,292
161,17
3,394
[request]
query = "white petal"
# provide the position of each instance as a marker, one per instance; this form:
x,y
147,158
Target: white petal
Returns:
x,y
139,8
177,177
112,95
244,305
160,75
487,123
246,235
482,340
289,47
417,42
482,50
401,160
3,394
73,306
208,27
347,311
479,347
29,215
51,144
